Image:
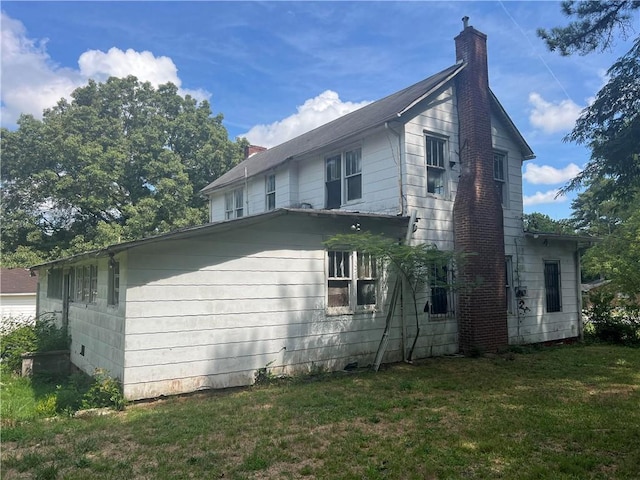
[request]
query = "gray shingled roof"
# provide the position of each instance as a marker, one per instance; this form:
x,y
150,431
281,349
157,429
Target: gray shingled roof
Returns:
x,y
358,121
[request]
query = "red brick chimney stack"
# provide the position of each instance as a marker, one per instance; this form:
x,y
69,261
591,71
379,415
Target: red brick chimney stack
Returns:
x,y
252,149
478,220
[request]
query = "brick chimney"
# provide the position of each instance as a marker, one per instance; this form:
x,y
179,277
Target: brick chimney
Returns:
x,y
478,221
252,149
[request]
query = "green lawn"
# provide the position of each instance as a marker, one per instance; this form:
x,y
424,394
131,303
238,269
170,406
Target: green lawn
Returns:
x,y
559,413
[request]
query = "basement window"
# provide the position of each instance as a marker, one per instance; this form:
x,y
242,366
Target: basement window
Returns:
x,y
435,160
352,279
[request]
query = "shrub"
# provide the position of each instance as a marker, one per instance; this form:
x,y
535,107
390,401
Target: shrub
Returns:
x,y
19,336
611,319
105,391
16,337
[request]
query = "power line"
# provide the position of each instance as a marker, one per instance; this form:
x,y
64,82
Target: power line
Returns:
x,y
524,34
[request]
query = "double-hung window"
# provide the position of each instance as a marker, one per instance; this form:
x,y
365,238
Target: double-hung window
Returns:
x,y
270,192
500,175
343,178
436,148
234,204
552,286
352,281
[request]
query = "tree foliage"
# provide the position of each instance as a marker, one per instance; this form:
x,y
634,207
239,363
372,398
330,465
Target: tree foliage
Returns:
x,y
616,220
122,160
539,222
594,28
611,125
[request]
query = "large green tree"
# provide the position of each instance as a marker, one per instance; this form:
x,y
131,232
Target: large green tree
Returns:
x,y
610,126
120,161
609,206
615,220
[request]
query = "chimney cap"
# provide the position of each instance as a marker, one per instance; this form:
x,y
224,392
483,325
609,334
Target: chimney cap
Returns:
x,y
465,22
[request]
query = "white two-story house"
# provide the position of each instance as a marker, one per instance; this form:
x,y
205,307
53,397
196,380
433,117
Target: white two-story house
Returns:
x,y
439,162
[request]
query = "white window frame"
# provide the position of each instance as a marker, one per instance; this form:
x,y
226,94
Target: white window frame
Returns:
x,y
348,268
501,175
346,167
86,284
270,192
436,166
234,203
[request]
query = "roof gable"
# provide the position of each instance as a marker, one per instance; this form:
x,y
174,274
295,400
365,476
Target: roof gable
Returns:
x,y
370,116
363,119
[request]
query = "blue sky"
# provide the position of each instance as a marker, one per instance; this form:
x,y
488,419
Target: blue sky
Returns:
x,y
277,69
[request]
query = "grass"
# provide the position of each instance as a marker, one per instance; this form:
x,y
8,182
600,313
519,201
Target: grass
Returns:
x,y
558,413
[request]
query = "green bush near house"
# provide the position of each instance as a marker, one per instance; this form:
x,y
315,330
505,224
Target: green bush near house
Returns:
x,y
18,337
612,319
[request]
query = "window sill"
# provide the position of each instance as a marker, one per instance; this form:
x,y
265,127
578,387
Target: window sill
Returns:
x,y
338,311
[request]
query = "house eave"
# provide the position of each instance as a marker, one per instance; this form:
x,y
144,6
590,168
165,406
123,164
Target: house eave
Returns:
x,y
527,152
218,227
562,237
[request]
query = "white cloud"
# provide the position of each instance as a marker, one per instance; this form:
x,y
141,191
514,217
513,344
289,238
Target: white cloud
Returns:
x,y
548,175
314,112
538,198
32,81
116,63
553,117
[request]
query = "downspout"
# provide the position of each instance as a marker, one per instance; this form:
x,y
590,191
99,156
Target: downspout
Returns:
x,y
246,190
579,292
399,162
407,239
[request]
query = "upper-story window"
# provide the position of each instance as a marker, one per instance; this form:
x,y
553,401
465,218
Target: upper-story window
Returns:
x,y
500,175
343,178
234,204
270,191
436,148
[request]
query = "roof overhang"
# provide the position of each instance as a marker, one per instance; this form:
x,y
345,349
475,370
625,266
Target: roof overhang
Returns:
x,y
219,227
581,240
527,153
